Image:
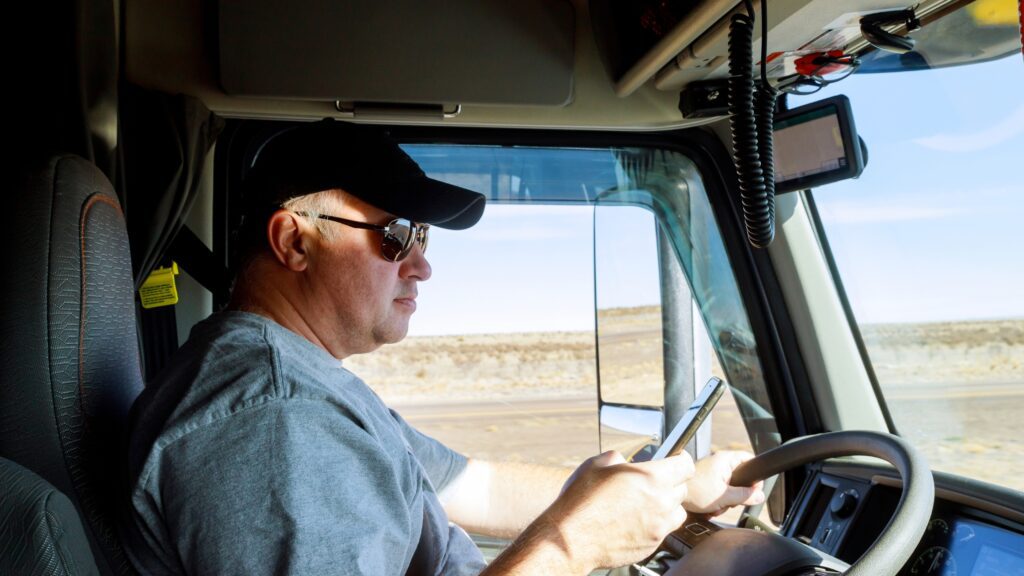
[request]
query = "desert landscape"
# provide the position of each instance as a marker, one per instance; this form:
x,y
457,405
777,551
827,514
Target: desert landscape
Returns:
x,y
955,389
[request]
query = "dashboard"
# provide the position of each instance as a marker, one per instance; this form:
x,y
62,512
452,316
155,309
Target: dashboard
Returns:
x,y
976,529
955,545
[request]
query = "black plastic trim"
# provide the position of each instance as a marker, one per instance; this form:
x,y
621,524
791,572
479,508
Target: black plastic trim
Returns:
x,y
236,149
975,497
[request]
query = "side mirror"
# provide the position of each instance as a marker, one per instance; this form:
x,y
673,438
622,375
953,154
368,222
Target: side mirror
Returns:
x,y
654,353
635,431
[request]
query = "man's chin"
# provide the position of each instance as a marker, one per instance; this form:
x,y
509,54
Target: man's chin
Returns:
x,y
392,334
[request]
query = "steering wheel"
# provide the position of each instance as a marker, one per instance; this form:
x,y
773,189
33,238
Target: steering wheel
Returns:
x,y
742,552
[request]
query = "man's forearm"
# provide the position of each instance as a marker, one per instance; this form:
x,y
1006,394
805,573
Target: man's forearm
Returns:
x,y
611,513
502,498
540,549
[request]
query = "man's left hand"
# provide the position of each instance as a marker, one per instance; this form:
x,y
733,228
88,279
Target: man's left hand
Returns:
x,y
709,491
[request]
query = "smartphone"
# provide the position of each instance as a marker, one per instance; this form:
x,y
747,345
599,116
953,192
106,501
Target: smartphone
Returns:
x,y
695,415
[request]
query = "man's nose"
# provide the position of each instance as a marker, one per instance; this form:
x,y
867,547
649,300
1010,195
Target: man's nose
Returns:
x,y
415,265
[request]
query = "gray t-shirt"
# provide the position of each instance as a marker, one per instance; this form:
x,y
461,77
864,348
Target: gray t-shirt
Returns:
x,y
256,452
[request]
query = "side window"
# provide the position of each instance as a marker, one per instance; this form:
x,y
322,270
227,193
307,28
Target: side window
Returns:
x,y
581,270
654,347
654,350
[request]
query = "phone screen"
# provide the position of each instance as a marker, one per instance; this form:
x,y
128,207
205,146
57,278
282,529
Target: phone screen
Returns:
x,y
695,415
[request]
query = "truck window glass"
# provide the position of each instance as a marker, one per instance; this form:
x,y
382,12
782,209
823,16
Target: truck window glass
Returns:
x,y
501,359
927,243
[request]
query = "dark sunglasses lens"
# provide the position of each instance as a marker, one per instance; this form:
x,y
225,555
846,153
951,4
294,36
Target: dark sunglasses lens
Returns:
x,y
397,240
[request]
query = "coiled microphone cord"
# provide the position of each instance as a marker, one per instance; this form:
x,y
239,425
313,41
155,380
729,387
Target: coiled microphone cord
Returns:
x,y
752,129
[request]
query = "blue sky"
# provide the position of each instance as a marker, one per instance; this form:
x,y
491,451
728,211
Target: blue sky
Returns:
x,y
934,227
531,269
933,230
521,269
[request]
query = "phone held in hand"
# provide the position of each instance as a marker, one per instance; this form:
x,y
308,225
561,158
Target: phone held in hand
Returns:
x,y
695,415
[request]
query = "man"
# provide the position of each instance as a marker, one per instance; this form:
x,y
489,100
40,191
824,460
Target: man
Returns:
x,y
258,452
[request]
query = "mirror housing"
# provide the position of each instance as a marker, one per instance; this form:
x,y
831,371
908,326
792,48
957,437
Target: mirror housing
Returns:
x,y
635,431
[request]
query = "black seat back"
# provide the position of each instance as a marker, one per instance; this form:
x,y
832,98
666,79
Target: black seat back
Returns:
x,y
69,364
40,531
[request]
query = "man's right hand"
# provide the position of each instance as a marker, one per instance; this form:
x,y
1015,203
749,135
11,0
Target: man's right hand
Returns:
x,y
611,512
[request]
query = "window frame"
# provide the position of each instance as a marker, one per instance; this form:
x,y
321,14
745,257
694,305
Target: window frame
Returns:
x,y
837,280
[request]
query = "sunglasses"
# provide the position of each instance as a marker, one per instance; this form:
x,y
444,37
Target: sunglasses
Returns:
x,y
399,235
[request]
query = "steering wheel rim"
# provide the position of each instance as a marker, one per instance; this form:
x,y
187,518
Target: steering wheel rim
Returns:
x,y
898,540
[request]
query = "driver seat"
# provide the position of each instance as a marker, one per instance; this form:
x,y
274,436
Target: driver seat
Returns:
x,y
69,364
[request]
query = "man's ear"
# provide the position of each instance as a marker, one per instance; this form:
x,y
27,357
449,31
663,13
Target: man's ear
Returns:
x,y
289,237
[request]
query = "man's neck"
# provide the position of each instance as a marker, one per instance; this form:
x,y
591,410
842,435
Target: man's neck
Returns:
x,y
270,300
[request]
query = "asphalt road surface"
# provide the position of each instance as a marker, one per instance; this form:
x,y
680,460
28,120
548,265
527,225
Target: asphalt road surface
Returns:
x,y
561,431
971,430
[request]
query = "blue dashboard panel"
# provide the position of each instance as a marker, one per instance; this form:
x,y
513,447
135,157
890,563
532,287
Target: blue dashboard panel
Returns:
x,y
955,545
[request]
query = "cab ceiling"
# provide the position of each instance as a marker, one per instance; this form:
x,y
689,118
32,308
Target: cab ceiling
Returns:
x,y
529,63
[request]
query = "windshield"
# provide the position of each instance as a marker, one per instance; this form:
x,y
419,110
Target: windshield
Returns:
x,y
928,244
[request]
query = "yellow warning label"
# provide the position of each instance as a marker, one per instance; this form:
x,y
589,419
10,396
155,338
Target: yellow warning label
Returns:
x,y
994,12
159,289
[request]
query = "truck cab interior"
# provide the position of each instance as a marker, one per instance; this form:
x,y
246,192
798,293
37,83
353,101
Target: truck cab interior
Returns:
x,y
638,214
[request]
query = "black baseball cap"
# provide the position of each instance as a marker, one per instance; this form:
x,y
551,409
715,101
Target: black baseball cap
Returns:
x,y
361,160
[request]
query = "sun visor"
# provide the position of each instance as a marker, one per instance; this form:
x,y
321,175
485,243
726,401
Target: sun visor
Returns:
x,y
448,52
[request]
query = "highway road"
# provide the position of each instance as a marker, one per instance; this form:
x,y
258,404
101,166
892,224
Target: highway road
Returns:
x,y
562,431
968,429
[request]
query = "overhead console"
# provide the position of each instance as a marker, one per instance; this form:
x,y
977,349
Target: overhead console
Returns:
x,y
364,52
676,42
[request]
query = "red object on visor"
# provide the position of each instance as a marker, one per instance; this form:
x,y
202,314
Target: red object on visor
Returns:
x,y
820,63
